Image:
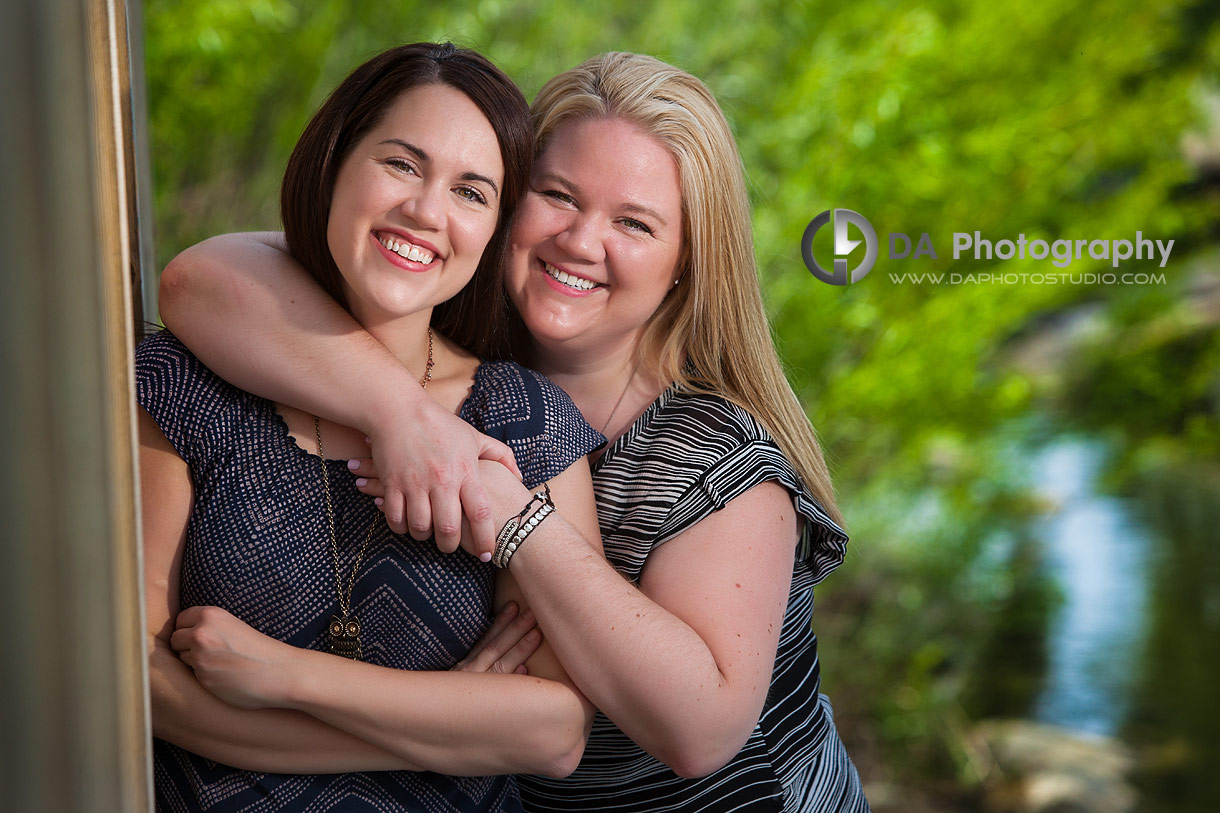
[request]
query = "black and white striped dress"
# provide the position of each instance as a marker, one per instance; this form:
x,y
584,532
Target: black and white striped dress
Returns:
x,y
687,456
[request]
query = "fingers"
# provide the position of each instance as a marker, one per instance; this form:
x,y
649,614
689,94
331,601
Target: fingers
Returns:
x,y
183,640
492,449
443,506
191,632
477,507
447,520
514,659
394,508
507,645
419,516
189,617
507,614
368,479
363,467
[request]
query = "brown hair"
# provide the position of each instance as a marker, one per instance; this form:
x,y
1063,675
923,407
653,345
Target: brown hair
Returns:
x,y
710,333
477,316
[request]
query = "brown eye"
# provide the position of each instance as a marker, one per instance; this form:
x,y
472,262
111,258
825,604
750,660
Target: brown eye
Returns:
x,y
405,167
471,194
555,194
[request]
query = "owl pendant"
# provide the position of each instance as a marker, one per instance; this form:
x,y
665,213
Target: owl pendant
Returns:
x,y
344,631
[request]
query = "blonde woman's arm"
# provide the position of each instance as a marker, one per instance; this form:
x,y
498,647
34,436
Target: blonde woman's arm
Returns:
x,y
252,314
682,661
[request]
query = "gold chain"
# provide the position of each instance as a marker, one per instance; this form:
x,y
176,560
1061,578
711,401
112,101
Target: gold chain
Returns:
x,y
345,598
345,601
423,382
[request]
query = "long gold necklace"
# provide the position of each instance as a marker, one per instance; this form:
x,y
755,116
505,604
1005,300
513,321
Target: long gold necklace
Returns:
x,y
344,628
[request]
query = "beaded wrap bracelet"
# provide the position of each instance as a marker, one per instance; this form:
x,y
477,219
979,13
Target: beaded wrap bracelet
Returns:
x,y
515,531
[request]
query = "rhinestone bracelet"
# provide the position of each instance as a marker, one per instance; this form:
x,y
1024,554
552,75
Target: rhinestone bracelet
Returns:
x,y
514,532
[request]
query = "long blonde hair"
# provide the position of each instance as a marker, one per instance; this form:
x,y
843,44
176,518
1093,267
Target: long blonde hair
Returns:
x,y
714,317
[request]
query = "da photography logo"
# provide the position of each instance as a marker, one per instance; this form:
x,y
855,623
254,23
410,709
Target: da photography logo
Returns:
x,y
844,246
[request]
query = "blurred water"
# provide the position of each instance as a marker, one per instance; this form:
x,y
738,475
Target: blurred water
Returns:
x,y
1134,650
1099,555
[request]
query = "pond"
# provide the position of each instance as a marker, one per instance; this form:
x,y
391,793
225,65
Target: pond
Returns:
x,y
1098,554
1134,649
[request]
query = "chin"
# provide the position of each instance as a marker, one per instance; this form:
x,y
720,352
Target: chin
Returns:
x,y
551,334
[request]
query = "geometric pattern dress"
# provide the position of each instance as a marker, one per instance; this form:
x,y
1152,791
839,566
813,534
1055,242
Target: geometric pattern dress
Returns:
x,y
258,545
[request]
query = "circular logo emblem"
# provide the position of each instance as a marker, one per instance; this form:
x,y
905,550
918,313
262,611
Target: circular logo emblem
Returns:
x,y
843,246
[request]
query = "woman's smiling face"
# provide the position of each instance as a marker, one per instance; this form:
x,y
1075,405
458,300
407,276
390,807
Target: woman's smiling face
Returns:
x,y
415,203
598,238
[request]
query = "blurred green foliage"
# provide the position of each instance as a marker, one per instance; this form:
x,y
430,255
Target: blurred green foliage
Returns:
x,y
1048,119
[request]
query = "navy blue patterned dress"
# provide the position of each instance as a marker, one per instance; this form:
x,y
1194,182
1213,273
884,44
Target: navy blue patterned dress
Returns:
x,y
258,545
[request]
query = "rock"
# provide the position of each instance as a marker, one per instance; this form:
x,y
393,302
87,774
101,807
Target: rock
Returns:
x,y
1044,769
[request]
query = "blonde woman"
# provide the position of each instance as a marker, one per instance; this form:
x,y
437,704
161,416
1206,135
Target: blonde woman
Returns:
x,y
633,274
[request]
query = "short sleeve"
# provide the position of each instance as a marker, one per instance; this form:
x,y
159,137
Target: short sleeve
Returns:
x,y
533,416
190,404
747,456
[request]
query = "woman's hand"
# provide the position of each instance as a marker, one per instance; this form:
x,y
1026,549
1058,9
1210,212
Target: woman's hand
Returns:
x,y
231,659
506,646
430,476
500,486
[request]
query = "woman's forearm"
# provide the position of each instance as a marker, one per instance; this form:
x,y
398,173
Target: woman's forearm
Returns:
x,y
643,667
253,315
457,723
681,665
265,740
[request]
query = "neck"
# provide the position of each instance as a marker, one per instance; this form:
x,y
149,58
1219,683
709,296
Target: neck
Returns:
x,y
610,388
406,337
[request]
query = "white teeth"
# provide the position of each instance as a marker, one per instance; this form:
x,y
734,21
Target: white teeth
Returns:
x,y
406,250
568,279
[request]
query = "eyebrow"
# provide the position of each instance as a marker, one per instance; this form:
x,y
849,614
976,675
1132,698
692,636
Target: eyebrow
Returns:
x,y
634,208
422,155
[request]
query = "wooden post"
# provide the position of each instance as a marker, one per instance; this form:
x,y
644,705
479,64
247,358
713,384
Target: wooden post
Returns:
x,y
73,709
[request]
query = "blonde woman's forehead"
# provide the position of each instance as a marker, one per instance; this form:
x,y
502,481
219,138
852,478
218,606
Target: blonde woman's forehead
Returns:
x,y
614,159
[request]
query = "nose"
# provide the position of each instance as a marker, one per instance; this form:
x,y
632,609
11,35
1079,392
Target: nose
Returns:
x,y
425,206
581,239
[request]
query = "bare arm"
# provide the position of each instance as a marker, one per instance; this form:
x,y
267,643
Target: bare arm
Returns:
x,y
250,313
455,723
682,663
185,713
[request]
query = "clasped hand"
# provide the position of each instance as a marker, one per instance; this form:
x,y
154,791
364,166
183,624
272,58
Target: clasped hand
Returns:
x,y
506,496
231,659
250,670
432,477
